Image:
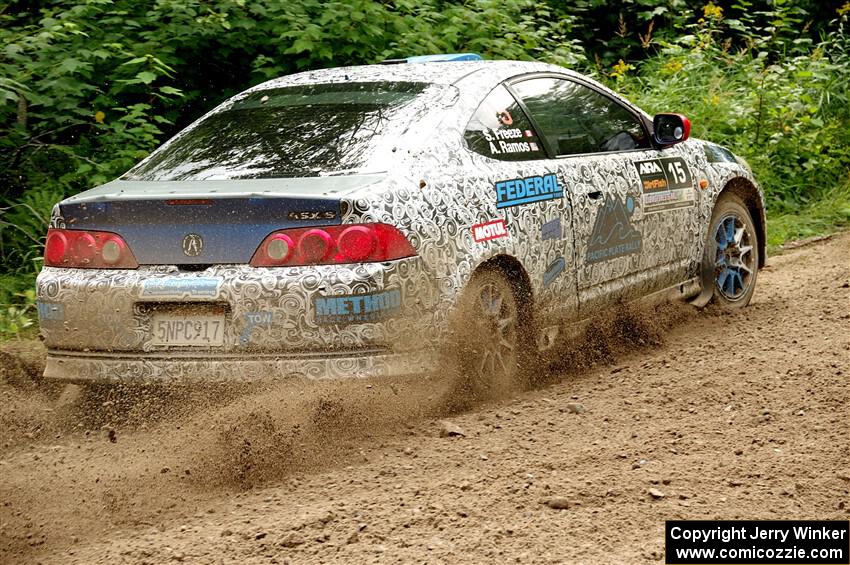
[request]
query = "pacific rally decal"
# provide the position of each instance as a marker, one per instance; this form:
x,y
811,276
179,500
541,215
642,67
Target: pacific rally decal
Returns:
x,y
488,231
613,235
666,184
525,191
356,308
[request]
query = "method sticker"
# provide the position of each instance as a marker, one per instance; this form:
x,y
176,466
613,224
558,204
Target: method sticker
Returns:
x,y
613,235
666,183
527,190
202,287
488,231
356,308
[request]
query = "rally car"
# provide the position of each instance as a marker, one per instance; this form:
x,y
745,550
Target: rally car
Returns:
x,y
361,221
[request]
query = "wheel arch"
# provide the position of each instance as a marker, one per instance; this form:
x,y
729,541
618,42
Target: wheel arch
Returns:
x,y
519,280
747,191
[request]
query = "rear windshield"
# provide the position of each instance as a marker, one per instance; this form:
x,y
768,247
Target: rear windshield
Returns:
x,y
294,131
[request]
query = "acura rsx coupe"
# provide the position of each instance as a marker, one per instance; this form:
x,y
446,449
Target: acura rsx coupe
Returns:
x,y
361,221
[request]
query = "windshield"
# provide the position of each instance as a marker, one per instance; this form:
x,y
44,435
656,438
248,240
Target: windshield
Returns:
x,y
294,131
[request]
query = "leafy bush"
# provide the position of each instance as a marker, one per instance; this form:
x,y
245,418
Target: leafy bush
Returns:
x,y
89,87
785,111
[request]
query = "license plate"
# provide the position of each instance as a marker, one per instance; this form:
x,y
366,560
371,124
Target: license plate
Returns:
x,y
171,328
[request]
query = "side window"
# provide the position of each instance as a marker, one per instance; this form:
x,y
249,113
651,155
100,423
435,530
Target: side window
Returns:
x,y
501,130
575,119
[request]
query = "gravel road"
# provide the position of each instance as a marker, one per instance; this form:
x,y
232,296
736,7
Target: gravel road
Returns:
x,y
671,413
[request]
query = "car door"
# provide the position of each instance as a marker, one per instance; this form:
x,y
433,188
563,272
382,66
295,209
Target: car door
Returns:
x,y
622,230
525,211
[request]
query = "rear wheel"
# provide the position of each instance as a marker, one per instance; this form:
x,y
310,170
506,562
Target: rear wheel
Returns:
x,y
733,252
492,338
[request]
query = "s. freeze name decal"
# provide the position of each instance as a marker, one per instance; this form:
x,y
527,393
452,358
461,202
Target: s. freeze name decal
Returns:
x,y
488,231
527,190
356,308
666,183
511,140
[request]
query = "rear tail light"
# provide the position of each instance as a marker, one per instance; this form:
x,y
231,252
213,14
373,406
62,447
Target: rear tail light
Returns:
x,y
88,249
332,245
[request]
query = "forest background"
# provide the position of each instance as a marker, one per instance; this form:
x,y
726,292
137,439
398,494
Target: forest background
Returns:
x,y
88,88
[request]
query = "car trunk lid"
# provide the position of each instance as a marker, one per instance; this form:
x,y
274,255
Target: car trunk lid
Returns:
x,y
207,222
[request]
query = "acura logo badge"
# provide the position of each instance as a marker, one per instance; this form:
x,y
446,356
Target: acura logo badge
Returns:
x,y
192,245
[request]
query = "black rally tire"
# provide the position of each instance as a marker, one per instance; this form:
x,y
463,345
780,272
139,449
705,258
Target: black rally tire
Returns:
x,y
731,253
494,342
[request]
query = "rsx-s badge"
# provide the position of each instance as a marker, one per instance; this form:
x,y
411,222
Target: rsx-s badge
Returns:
x,y
193,244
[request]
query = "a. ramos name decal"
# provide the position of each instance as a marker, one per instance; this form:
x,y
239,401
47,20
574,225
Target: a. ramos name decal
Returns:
x,y
356,308
526,190
490,230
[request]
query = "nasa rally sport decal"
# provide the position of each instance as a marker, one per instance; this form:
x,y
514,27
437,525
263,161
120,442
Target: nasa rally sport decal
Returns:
x,y
527,190
666,184
613,235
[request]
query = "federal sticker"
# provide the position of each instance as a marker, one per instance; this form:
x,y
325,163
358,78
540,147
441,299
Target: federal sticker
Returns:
x,y
201,287
613,234
515,192
665,183
356,308
491,230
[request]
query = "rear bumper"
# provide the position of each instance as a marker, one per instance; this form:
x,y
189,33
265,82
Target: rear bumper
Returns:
x,y
317,322
83,367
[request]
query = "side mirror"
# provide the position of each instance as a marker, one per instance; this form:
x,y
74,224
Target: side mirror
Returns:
x,y
669,129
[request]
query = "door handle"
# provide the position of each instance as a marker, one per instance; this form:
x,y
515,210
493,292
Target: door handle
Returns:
x,y
595,195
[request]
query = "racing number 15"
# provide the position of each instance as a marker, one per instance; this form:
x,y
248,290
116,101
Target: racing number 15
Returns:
x,y
677,171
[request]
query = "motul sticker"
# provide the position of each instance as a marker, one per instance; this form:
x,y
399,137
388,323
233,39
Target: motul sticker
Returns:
x,y
488,231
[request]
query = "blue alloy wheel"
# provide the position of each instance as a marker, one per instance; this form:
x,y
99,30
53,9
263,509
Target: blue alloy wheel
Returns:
x,y
734,261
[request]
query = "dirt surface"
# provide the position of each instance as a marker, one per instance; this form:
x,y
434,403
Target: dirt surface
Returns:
x,y
721,415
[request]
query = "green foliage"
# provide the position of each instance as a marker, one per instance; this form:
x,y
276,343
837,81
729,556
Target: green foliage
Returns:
x,y
89,87
785,111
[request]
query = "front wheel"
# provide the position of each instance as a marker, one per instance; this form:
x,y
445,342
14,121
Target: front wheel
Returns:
x,y
732,250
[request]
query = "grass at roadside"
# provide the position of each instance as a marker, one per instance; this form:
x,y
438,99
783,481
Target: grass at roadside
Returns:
x,y
828,215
